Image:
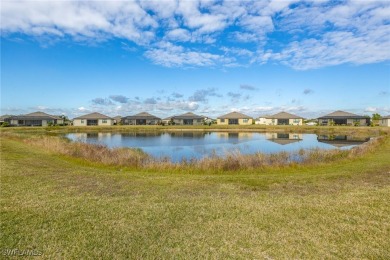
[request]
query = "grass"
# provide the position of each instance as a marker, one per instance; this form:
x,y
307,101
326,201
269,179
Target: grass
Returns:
x,y
65,207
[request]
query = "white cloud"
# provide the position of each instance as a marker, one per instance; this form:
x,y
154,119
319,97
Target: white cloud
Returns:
x,y
170,55
371,109
178,34
310,34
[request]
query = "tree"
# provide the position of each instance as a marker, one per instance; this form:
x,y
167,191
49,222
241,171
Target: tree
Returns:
x,y
376,116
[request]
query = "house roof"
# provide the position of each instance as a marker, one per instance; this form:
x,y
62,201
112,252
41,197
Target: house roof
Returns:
x,y
93,116
284,115
234,115
188,115
341,114
143,115
35,116
386,117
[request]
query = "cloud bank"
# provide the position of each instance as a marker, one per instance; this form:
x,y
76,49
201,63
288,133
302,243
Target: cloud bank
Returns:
x,y
301,34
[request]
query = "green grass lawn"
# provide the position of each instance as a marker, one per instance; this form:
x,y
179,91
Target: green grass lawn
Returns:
x,y
68,208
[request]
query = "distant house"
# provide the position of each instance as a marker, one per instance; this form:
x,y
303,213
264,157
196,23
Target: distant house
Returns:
x,y
262,120
282,118
34,119
167,121
93,119
234,118
208,120
117,120
187,119
4,117
142,118
385,121
343,118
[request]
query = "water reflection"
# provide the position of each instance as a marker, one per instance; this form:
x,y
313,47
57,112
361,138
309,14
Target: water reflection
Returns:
x,y
342,140
284,138
186,145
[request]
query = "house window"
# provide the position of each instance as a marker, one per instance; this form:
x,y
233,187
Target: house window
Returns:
x,y
222,120
245,120
199,120
296,121
104,121
82,121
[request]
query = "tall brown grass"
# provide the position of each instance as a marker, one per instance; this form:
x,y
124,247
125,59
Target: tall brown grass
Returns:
x,y
91,152
232,161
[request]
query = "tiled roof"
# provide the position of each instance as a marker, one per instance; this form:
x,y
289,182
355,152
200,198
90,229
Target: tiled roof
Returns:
x,y
341,114
188,115
93,116
143,115
284,115
35,116
234,115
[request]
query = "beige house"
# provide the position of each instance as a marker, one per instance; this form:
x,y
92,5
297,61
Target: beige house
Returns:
x,y
93,119
234,118
187,119
385,121
142,118
167,120
262,120
117,120
343,118
34,119
282,118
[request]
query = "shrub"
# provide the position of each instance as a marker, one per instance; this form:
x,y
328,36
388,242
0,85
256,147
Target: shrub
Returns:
x,y
5,124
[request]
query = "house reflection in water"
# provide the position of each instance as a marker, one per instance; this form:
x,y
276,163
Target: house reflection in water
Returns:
x,y
98,136
341,140
235,135
283,138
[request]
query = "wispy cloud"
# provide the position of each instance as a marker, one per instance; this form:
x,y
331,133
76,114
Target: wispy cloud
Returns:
x,y
151,101
203,94
248,87
308,91
235,97
101,101
119,98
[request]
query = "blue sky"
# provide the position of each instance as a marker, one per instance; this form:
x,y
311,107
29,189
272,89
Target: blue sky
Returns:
x,y
209,57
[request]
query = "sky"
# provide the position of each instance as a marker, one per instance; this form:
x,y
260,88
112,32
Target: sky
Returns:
x,y
169,57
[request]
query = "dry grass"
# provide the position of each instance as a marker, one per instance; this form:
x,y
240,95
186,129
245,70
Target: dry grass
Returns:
x,y
92,152
232,161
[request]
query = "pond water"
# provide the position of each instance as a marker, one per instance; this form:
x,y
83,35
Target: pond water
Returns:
x,y
188,145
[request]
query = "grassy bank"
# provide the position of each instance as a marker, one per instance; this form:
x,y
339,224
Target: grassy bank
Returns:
x,y
65,207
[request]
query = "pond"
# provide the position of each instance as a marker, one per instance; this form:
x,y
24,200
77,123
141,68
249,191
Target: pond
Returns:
x,y
187,145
